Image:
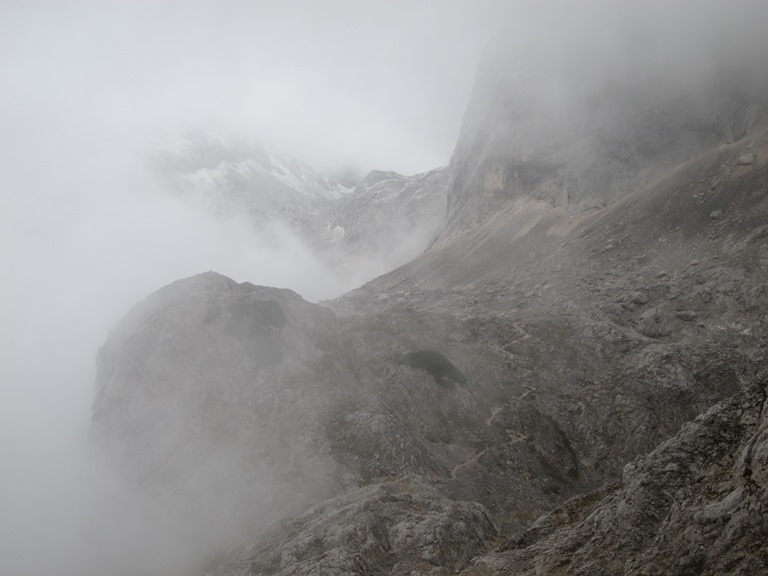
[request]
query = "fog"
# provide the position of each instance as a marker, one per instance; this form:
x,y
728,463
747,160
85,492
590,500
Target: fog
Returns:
x,y
87,89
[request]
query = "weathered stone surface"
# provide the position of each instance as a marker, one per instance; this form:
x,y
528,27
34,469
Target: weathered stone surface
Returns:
x,y
696,504
395,528
206,383
687,315
649,323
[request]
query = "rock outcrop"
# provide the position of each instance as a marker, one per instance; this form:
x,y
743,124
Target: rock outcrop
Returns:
x,y
213,383
397,528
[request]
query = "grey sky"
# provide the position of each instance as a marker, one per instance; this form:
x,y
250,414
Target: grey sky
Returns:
x,y
88,88
374,84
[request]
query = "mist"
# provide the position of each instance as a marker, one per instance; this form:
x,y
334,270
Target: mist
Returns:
x,y
88,89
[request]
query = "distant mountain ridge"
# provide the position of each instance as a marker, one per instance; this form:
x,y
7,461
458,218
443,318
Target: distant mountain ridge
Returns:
x,y
383,221
198,154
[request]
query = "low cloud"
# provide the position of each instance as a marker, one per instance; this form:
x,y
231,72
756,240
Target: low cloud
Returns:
x,y
85,90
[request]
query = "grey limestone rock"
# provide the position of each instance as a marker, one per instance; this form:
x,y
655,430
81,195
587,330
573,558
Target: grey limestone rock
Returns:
x,y
395,528
687,315
696,504
649,323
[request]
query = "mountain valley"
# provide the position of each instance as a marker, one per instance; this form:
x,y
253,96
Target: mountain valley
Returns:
x,y
563,370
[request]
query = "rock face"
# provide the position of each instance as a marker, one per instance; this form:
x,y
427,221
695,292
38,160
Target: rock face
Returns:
x,y
551,390
583,126
695,505
213,381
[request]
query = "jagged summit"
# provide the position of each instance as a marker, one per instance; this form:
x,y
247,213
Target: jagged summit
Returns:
x,y
384,221
203,162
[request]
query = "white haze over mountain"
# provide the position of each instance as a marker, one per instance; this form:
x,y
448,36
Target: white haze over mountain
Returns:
x,y
336,83
87,88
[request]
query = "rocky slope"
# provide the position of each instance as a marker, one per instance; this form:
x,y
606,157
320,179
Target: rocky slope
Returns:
x,y
582,127
514,400
695,505
590,340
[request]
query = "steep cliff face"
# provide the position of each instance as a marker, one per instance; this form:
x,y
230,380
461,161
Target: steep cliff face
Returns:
x,y
579,123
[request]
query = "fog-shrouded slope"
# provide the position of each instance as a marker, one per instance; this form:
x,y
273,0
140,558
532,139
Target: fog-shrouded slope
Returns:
x,y
695,505
583,126
580,368
383,221
581,342
476,409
